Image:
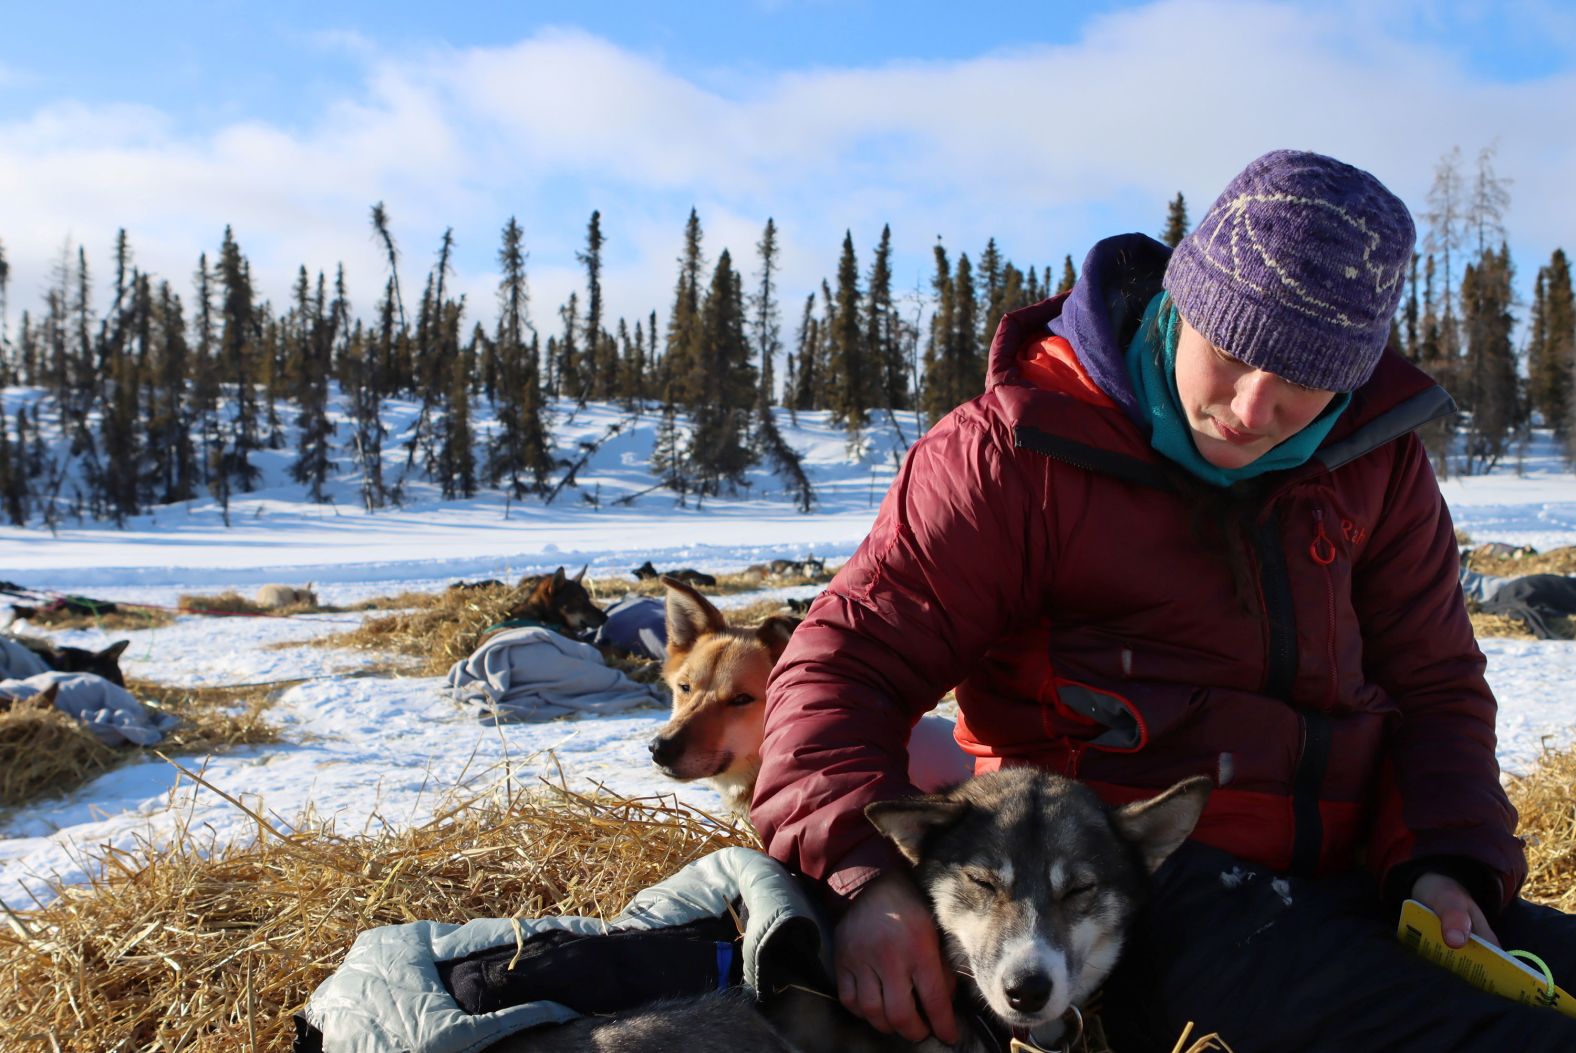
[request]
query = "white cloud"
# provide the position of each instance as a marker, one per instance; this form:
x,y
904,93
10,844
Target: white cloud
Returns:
x,y
1046,147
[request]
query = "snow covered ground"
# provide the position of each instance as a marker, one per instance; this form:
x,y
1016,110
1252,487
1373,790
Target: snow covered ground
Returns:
x,y
365,748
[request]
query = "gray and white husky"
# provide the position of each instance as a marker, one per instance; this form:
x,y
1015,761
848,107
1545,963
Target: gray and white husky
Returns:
x,y
1033,881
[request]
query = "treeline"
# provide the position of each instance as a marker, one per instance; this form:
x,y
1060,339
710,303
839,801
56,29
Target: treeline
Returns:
x,y
164,395
1458,321
157,398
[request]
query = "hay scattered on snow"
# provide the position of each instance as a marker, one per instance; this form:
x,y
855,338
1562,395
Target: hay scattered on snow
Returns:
x,y
727,584
440,634
46,751
1546,799
213,951
125,617
1504,627
452,625
1554,561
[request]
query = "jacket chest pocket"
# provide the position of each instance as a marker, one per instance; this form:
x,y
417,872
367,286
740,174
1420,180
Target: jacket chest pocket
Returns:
x,y
1321,542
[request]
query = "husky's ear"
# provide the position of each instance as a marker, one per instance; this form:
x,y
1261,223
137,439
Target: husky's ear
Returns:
x,y
1159,825
46,697
578,578
907,822
690,616
114,650
774,633
559,577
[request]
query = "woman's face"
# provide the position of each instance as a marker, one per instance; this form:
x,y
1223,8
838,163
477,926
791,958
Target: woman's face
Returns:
x,y
1237,413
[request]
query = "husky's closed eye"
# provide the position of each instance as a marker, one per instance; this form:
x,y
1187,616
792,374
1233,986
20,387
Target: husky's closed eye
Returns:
x,y
1033,879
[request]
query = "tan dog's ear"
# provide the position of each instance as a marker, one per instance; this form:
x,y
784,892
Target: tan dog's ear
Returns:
x,y
1159,825
774,633
907,822
690,616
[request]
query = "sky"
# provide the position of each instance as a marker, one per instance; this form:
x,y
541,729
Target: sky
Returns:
x,y
1043,125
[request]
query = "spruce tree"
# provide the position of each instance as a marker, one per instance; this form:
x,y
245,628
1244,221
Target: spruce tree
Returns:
x,y
1069,275
765,319
938,388
720,419
239,336
457,453
992,287
1557,320
170,430
395,369
571,379
1410,317
519,448
851,373
884,330
683,336
802,372
13,477
315,339
9,372
1490,391
969,368
1176,227
600,370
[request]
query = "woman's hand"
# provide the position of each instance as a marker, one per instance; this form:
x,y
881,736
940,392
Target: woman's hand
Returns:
x,y
1459,914
889,965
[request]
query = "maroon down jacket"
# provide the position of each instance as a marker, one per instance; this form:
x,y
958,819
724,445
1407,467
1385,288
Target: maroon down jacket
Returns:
x,y
1035,554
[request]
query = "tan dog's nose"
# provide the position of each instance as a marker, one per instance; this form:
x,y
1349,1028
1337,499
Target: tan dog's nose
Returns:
x,y
664,751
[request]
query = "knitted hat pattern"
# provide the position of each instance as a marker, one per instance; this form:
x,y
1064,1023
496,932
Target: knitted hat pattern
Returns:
x,y
1297,269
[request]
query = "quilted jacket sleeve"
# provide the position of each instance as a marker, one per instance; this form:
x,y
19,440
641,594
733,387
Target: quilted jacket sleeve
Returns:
x,y
1439,789
955,557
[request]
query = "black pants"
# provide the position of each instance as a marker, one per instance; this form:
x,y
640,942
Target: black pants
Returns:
x,y
1292,965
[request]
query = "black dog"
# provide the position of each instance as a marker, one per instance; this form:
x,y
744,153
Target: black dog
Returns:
x,y
105,663
688,575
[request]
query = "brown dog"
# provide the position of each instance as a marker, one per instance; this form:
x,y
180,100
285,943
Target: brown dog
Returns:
x,y
557,599
717,673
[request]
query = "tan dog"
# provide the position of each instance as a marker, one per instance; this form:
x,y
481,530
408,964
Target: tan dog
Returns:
x,y
717,673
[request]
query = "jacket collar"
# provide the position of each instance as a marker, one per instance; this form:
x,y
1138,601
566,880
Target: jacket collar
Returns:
x,y
1098,317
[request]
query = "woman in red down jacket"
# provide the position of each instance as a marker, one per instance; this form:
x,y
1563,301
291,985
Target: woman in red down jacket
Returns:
x,y
1188,529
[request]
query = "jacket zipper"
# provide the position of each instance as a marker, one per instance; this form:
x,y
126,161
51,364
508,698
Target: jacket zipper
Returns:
x,y
1313,757
1323,552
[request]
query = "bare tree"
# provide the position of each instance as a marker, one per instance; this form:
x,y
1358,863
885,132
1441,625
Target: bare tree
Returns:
x,y
1446,218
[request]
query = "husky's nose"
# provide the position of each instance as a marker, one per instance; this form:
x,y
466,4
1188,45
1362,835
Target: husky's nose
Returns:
x,y
1029,992
664,751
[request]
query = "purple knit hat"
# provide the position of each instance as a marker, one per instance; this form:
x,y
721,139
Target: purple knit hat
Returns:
x,y
1297,269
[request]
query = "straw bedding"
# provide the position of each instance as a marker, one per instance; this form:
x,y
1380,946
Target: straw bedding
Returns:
x,y
448,628
1546,799
178,951
1554,561
214,952
1487,626
125,617
451,624
43,751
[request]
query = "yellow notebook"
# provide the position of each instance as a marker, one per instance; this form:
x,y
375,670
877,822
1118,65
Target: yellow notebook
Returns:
x,y
1480,963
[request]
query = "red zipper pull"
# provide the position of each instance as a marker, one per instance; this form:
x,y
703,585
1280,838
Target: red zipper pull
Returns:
x,y
1322,549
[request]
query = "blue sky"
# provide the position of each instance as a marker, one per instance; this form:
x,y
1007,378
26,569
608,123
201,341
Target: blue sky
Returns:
x,y
1043,125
